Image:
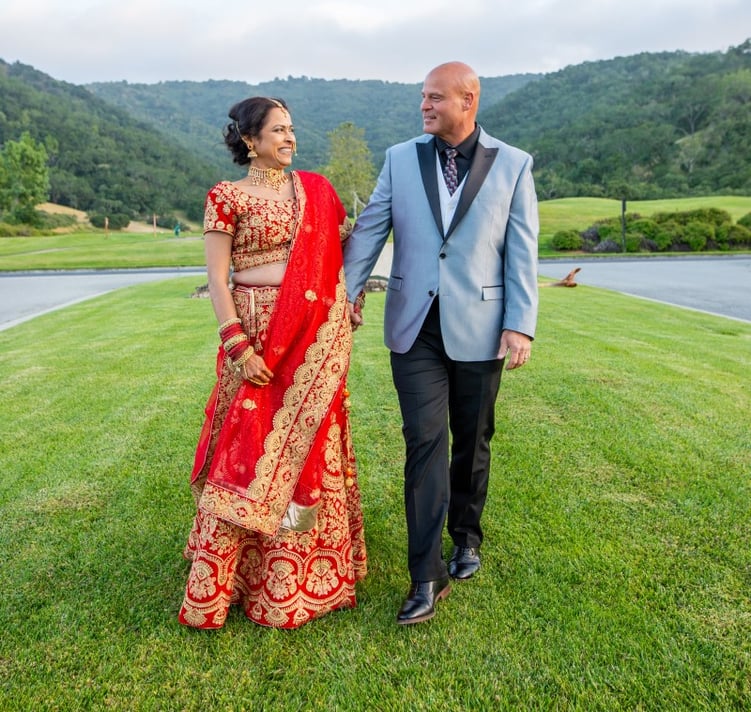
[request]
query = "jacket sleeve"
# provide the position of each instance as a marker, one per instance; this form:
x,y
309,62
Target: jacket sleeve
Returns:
x,y
369,235
520,278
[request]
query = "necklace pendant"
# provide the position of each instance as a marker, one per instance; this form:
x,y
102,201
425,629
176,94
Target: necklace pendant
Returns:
x,y
274,178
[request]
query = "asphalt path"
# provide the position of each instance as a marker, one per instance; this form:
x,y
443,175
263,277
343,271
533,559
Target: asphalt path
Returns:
x,y
717,285
25,295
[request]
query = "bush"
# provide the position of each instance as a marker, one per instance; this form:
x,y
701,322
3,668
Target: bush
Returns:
x,y
733,237
607,246
666,234
567,240
8,230
712,216
609,229
697,235
645,227
693,230
117,221
54,220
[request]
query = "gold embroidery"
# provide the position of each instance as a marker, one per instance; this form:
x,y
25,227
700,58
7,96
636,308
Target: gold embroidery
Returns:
x,y
287,579
310,295
261,228
249,404
295,423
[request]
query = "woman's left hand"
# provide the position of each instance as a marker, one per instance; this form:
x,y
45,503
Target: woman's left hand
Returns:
x,y
256,371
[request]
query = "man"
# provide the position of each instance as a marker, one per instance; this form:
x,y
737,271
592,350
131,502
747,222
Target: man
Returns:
x,y
461,301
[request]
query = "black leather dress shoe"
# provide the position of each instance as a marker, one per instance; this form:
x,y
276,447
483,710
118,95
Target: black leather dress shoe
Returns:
x,y
464,562
420,603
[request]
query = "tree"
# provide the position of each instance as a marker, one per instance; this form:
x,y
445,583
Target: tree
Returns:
x,y
24,178
350,168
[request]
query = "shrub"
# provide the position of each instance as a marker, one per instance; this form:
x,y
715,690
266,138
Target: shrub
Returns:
x,y
117,221
607,246
609,229
698,234
745,221
734,236
712,216
8,230
665,235
633,242
567,240
645,227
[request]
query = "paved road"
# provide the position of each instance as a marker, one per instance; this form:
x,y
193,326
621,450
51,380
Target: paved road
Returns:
x,y
718,285
28,294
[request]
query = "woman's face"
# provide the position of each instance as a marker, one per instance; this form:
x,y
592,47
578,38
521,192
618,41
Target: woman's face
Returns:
x,y
275,144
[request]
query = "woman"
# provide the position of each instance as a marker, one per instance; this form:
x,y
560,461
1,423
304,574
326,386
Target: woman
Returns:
x,y
279,525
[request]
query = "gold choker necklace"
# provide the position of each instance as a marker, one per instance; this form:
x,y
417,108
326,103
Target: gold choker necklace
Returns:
x,y
274,178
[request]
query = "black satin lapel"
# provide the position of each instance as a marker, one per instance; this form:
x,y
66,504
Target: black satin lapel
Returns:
x,y
426,159
481,163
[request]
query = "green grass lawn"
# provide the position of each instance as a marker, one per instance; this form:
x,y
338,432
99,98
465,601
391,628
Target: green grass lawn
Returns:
x,y
617,565
94,250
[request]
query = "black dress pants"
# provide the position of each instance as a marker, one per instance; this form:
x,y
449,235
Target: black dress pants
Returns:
x,y
436,395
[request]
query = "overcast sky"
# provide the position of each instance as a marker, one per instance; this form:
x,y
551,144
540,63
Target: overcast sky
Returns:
x,y
83,41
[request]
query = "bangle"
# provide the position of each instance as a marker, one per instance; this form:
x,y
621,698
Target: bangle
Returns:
x,y
250,351
233,341
237,350
229,322
229,331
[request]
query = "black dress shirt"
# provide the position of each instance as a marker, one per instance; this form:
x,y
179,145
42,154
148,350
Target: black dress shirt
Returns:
x,y
465,152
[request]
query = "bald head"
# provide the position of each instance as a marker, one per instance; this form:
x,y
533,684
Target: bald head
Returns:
x,y
450,100
462,75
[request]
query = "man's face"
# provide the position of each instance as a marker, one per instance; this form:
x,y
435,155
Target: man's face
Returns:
x,y
443,106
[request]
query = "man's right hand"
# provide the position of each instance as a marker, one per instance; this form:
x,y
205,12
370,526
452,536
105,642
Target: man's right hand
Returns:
x,y
355,315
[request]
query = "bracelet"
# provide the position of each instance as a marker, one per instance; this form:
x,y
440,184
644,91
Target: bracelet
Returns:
x,y
229,322
233,341
250,351
230,331
237,350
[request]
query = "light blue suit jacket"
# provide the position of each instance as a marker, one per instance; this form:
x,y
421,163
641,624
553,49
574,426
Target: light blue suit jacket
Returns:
x,y
485,267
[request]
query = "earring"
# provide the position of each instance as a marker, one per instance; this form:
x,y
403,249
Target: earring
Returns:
x,y
251,152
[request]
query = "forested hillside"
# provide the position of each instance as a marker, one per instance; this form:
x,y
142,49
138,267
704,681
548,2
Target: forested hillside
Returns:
x,y
102,159
194,113
645,126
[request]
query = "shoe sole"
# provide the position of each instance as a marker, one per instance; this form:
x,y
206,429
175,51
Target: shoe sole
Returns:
x,y
464,578
439,597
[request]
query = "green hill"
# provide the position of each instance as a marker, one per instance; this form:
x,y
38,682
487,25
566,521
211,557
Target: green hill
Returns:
x,y
647,126
102,159
194,113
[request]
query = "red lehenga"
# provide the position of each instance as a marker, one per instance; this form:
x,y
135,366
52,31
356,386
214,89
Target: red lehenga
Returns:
x,y
278,528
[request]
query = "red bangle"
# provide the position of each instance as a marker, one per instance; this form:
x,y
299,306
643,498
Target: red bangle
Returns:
x,y
229,331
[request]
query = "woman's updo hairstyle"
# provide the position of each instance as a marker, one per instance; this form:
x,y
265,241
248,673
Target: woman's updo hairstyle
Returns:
x,y
248,117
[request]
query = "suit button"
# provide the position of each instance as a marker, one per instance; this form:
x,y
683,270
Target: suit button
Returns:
x,y
431,293
442,255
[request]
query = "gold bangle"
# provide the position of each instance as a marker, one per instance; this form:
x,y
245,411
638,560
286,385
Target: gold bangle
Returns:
x,y
225,324
234,341
250,351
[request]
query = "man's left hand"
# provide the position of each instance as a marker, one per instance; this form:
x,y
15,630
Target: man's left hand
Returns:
x,y
515,347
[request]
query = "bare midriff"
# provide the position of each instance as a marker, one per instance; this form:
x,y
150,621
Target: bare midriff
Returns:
x,y
270,275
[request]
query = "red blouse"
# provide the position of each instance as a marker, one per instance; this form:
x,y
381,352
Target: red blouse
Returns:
x,y
261,228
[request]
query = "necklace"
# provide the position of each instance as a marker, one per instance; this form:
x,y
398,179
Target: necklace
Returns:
x,y
274,178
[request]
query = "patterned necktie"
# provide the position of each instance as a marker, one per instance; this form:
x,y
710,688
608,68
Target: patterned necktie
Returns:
x,y
449,170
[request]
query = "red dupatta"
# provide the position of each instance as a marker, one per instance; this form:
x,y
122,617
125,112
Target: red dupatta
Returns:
x,y
271,452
